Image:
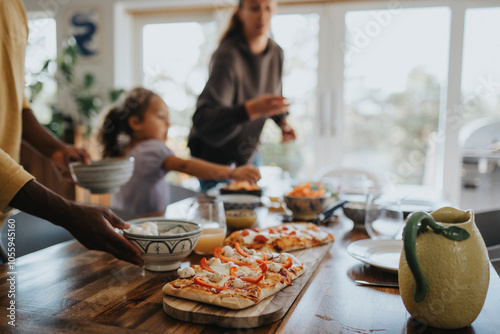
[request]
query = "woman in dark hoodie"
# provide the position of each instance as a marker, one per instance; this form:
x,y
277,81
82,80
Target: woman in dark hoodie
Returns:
x,y
243,90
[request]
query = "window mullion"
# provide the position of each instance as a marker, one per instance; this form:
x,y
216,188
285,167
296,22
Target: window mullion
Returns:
x,y
451,118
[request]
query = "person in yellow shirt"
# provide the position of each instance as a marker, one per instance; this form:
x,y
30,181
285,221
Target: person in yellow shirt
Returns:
x,y
91,225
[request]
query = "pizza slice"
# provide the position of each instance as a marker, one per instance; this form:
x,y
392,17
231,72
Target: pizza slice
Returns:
x,y
235,278
281,238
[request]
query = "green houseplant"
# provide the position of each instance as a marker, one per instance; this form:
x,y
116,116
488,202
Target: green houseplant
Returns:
x,y
77,92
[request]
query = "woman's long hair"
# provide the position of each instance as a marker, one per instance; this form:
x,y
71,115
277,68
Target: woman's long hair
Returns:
x,y
235,26
115,124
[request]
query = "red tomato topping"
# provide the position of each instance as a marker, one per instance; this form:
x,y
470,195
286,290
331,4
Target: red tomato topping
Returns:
x,y
245,232
292,233
263,267
260,238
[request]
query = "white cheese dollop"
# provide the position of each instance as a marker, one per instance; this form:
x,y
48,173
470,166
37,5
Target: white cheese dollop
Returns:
x,y
185,272
274,267
214,261
215,277
238,283
269,256
247,272
251,252
281,258
230,264
228,251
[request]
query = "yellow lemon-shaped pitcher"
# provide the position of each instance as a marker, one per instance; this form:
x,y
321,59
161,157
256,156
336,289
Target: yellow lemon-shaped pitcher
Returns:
x,y
444,268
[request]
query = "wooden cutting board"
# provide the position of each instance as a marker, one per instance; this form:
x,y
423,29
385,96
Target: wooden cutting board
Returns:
x,y
267,311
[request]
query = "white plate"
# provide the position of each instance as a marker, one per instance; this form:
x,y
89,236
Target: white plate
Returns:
x,y
383,254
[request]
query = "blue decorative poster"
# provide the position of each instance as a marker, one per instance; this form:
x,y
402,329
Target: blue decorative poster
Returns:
x,y
84,24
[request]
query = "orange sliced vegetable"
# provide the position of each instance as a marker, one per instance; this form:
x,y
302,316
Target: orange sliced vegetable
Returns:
x,y
232,271
204,265
239,250
288,263
263,267
252,279
200,281
218,254
264,259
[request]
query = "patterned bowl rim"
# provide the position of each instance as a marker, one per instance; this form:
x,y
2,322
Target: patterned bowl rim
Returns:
x,y
162,220
106,162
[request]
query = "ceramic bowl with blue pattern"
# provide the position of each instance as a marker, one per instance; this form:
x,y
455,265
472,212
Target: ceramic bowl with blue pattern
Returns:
x,y
103,176
306,208
165,251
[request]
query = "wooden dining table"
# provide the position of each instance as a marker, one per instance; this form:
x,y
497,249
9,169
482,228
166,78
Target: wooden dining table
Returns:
x,y
69,289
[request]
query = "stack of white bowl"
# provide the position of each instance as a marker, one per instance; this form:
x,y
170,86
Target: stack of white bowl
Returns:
x,y
104,176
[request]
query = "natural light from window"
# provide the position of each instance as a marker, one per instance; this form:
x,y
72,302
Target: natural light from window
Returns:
x,y
393,84
42,46
481,64
177,69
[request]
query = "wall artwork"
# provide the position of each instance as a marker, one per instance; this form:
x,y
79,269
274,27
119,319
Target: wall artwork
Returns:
x,y
84,23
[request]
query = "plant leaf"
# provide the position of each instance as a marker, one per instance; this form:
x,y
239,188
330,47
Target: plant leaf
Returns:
x,y
88,80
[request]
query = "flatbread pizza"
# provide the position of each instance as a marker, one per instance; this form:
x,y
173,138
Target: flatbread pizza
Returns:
x,y
282,238
235,278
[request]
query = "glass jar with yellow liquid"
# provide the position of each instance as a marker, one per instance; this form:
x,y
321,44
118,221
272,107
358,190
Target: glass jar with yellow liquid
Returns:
x,y
210,215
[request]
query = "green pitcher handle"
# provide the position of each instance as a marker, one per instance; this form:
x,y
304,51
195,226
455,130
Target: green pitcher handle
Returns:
x,y
417,223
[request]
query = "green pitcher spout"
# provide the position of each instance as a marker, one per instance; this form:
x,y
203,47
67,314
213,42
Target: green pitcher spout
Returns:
x,y
420,222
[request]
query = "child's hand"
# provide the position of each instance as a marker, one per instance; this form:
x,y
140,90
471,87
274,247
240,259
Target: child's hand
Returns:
x,y
246,173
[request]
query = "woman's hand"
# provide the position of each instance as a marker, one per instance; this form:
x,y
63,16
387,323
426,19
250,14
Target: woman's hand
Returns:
x,y
93,227
246,173
67,154
265,106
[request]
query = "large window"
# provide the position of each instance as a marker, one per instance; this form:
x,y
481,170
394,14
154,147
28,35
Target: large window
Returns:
x,y
372,85
175,65
481,65
393,88
297,34
41,47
